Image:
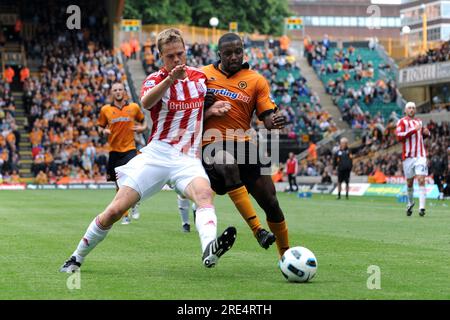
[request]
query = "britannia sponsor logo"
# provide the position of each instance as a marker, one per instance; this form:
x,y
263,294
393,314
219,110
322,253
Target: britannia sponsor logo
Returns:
x,y
182,105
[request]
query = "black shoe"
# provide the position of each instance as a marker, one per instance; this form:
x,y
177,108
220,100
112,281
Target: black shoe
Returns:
x,y
422,212
346,197
216,248
70,265
265,238
186,227
409,208
338,198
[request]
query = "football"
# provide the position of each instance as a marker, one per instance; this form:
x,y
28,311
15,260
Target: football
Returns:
x,y
298,264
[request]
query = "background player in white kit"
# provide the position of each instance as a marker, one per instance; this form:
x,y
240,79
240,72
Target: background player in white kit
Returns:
x,y
175,97
410,132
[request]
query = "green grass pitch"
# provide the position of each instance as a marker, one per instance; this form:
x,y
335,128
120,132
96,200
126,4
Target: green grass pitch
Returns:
x,y
153,259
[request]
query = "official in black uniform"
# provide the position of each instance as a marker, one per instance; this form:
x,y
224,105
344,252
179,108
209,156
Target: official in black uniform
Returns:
x,y
438,168
342,162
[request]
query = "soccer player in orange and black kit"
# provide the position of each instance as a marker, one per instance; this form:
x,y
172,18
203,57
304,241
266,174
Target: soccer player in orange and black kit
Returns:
x,y
117,121
247,91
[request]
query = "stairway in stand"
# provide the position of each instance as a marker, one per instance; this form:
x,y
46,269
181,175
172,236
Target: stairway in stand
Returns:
x,y
26,159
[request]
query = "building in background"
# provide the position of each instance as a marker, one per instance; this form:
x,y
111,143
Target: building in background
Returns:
x,y
437,19
348,19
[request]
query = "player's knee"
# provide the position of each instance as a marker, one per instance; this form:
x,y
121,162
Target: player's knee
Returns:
x,y
273,212
114,212
272,203
204,196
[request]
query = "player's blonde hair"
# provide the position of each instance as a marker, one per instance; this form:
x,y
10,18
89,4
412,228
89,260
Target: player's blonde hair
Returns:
x,y
167,36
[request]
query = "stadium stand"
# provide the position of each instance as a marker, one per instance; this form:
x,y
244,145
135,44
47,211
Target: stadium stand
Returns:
x,y
306,118
9,134
62,97
439,54
360,81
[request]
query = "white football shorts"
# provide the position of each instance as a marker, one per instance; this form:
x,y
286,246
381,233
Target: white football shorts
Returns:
x,y
415,167
158,164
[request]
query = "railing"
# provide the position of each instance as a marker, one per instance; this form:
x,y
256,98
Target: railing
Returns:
x,y
397,48
193,34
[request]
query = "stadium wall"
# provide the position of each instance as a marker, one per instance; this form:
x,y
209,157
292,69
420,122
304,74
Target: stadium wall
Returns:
x,y
305,189
437,117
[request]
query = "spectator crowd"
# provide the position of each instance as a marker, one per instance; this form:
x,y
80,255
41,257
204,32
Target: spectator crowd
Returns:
x,y
439,54
76,73
9,134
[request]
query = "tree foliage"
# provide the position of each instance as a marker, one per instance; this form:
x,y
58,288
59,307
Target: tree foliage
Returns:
x,y
263,16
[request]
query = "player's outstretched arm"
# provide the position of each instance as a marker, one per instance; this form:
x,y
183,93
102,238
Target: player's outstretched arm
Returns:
x,y
155,94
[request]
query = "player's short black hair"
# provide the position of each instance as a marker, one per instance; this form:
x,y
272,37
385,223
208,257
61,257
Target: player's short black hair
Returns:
x,y
228,37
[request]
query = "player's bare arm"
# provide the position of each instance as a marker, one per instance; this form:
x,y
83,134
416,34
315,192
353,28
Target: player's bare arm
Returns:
x,y
141,127
155,94
104,131
275,120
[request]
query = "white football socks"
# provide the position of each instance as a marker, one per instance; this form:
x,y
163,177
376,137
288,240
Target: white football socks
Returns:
x,y
93,236
183,206
410,195
422,196
206,224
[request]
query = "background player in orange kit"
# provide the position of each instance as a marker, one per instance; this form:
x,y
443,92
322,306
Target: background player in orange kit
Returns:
x,y
117,121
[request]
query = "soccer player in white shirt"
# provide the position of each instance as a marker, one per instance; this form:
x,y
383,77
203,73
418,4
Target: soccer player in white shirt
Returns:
x,y
175,97
411,132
